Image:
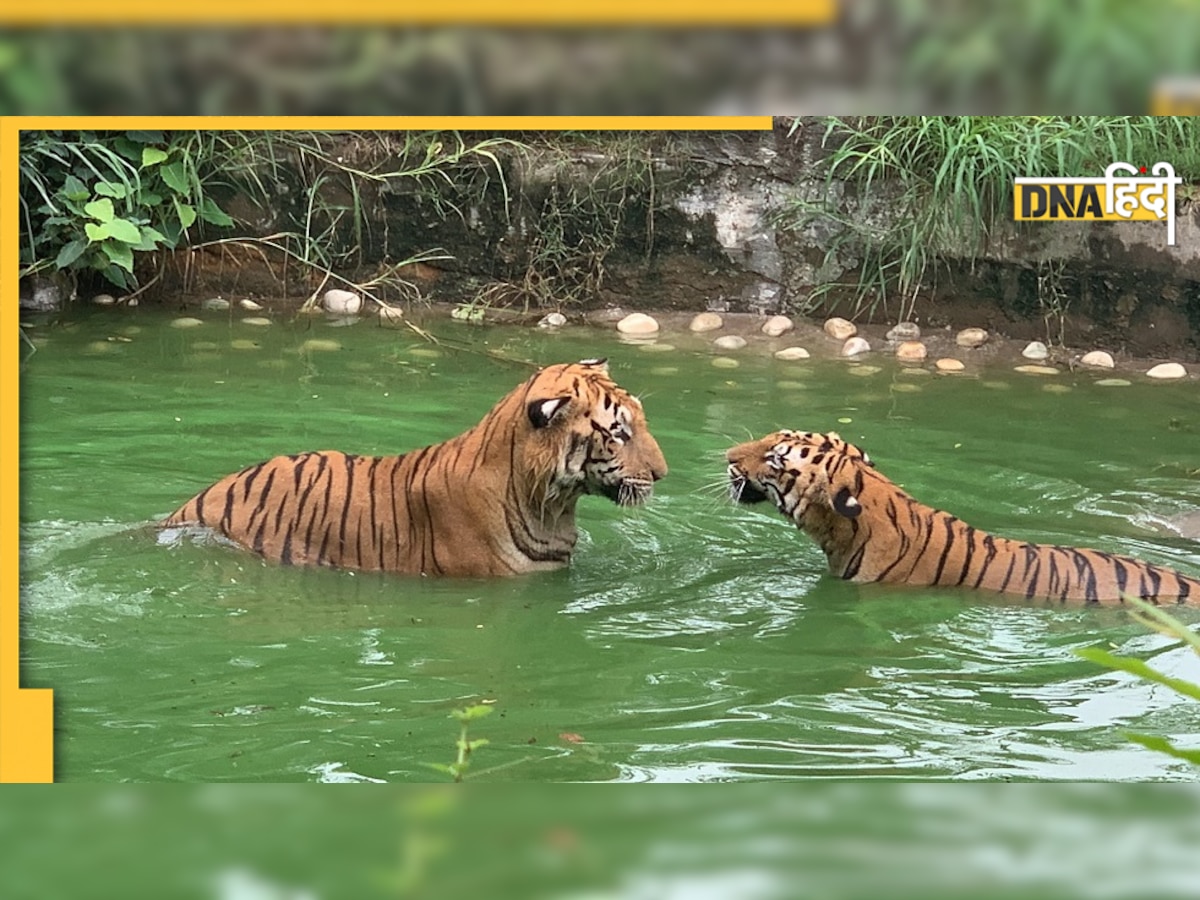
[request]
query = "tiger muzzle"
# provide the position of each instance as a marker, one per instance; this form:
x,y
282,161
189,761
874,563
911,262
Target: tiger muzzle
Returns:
x,y
742,489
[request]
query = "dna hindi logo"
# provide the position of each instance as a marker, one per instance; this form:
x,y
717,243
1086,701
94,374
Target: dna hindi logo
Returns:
x,y
1125,194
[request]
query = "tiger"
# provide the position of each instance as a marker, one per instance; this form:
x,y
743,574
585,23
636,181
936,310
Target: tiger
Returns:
x,y
497,500
873,531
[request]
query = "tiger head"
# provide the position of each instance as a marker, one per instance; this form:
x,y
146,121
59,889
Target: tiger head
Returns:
x,y
806,474
587,435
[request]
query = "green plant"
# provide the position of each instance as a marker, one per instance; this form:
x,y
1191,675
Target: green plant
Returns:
x,y
1161,621
903,193
94,200
466,746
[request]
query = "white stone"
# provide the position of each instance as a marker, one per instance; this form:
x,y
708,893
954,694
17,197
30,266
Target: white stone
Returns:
x,y
390,315
258,321
730,342
839,329
1035,350
777,325
247,303
971,338
1114,382
855,346
341,302
724,362
1098,358
904,331
911,351
949,364
320,345
705,321
791,353
656,347
1037,370
185,322
637,323
1167,370
552,320
217,303
104,300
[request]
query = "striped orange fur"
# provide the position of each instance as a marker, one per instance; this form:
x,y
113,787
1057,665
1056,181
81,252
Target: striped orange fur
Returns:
x,y
498,499
872,531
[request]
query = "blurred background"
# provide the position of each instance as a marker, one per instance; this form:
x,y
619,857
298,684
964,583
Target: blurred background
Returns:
x,y
755,841
929,56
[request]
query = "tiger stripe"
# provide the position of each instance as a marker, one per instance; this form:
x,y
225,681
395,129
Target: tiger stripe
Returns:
x,y
873,531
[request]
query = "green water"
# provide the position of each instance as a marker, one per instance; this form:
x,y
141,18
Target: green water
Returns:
x,y
689,641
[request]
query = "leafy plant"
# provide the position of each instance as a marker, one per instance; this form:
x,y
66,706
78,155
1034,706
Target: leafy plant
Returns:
x,y
91,201
1164,623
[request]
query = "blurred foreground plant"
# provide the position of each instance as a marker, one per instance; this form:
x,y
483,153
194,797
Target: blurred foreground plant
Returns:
x,y
1164,623
465,716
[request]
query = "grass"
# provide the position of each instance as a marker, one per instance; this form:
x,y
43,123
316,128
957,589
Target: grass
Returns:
x,y
920,189
595,193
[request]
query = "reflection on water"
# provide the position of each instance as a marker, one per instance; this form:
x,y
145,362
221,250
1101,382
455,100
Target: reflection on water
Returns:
x,y
690,640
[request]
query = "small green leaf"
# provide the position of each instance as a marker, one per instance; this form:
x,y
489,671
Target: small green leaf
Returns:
x,y
149,198
213,214
150,239
115,275
74,189
124,230
111,189
128,149
152,156
187,214
119,254
470,713
96,232
101,209
176,178
70,252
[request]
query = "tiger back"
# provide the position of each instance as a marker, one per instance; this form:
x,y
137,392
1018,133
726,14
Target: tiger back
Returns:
x,y
498,499
873,531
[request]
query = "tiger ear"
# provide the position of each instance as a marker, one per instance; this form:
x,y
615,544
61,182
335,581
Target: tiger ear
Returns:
x,y
600,363
542,412
846,504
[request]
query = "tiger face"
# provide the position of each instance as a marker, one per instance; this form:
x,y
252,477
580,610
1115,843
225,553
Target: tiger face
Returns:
x,y
801,472
590,435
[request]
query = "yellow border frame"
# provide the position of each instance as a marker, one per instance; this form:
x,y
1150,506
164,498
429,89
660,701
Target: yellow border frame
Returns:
x,y
26,714
695,13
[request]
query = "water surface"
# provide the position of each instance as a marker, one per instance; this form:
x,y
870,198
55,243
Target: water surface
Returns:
x,y
689,641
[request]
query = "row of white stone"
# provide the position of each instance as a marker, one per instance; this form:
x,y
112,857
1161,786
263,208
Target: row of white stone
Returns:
x,y
904,337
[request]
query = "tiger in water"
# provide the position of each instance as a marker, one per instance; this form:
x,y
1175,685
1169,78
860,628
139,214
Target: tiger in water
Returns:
x,y
498,499
872,531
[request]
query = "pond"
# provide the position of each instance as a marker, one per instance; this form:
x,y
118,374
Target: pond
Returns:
x,y
690,640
